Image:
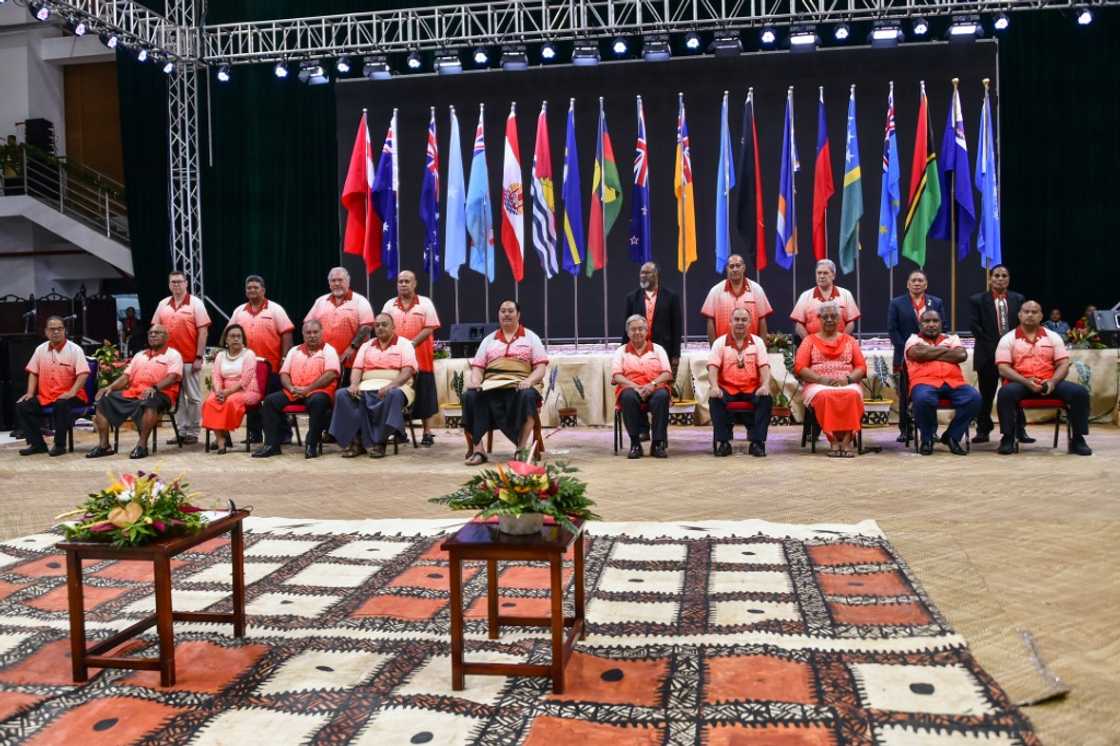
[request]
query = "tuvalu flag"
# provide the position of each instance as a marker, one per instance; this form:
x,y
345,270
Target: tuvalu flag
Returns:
x,y
363,227
574,251
606,198
480,219
513,200
890,197
683,189
823,185
785,244
988,239
851,209
544,201
751,224
925,189
725,182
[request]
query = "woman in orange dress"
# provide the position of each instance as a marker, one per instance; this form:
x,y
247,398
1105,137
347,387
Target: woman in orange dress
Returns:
x,y
234,378
831,366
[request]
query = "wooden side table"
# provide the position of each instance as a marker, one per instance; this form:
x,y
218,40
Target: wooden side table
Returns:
x,y
483,541
159,553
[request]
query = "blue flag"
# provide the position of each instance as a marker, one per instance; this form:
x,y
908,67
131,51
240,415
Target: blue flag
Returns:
x,y
987,181
480,216
890,199
785,245
641,222
385,186
725,182
956,184
429,202
455,229
574,251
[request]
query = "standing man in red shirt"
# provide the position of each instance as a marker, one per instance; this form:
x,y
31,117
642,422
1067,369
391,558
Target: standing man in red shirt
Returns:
x,y
415,319
56,377
268,332
738,291
187,323
346,318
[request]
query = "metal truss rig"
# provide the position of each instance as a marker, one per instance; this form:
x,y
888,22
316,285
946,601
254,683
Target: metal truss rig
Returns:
x,y
184,186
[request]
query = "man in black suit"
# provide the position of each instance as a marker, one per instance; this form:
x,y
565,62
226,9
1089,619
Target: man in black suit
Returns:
x,y
994,314
651,300
902,321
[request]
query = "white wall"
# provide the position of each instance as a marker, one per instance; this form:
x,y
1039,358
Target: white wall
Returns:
x,y
29,86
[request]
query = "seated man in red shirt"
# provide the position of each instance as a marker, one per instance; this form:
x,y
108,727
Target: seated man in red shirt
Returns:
x,y
933,368
148,388
640,372
739,370
56,377
1033,362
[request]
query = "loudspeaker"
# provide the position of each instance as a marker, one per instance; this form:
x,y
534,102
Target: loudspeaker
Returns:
x,y
1107,324
15,351
465,338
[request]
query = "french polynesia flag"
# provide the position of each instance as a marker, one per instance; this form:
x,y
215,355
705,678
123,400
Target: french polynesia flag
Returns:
x,y
513,200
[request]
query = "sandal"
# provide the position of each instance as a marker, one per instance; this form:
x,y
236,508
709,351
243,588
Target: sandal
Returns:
x,y
476,459
836,454
847,454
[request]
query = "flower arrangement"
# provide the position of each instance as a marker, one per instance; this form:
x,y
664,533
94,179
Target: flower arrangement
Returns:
x,y
518,487
134,509
1080,338
110,365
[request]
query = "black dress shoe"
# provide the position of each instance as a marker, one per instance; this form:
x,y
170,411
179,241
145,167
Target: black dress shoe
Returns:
x,y
377,450
311,451
955,448
944,439
1006,446
926,448
138,452
428,440
99,452
32,450
1022,437
1080,448
902,438
659,451
758,450
57,450
635,451
266,451
980,437
723,448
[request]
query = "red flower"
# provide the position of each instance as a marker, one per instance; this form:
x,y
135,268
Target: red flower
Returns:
x,y
525,469
553,488
159,526
102,527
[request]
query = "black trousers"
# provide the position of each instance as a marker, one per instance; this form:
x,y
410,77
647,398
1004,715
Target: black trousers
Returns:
x,y
253,416
1073,394
272,412
723,422
500,409
633,416
30,416
903,392
988,378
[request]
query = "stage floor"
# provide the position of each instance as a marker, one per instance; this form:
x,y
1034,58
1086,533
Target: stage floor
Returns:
x,y
1002,543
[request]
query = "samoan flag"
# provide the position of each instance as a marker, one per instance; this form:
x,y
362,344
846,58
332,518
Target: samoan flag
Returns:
x,y
429,202
641,222
385,187
785,245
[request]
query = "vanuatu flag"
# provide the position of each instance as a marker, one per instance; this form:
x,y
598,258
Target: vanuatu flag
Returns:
x,y
925,189
606,198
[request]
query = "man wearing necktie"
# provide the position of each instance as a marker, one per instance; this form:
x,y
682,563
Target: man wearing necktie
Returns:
x,y
993,314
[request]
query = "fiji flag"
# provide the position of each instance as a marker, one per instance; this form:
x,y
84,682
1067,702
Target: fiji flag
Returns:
x,y
641,222
480,216
429,202
988,240
385,187
574,251
890,199
785,246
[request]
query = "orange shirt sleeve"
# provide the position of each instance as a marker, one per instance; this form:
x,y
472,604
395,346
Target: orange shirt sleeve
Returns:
x,y
858,360
803,357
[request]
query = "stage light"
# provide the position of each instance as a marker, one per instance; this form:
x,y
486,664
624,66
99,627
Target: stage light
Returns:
x,y
224,72
548,51
312,72
168,66
342,65
585,53
480,56
142,54
109,39
377,68
842,32
692,41
920,26
885,34
1084,16
803,39
655,48
448,63
280,70
965,28
1002,22
39,10
768,36
80,28
619,46
726,44
515,57
414,61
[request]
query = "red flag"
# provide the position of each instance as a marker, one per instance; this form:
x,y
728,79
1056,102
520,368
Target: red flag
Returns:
x,y
823,186
363,226
513,200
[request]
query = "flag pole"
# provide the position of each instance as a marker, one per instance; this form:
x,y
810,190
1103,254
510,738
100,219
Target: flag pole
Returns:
x,y
546,310
953,230
603,222
456,300
432,254
890,279
987,265
826,201
794,165
680,228
396,189
575,305
859,285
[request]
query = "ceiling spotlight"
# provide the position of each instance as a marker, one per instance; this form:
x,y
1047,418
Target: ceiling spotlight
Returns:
x,y
965,28
514,57
1001,22
109,39
585,53
480,56
842,32
414,61
619,46
548,51
769,35
726,44
692,41
448,63
224,72
655,48
342,65
168,66
142,54
1084,16
80,28
39,10
920,26
280,69
312,72
803,38
377,68
885,34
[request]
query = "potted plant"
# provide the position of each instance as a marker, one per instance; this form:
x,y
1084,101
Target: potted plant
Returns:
x,y
453,411
110,366
133,510
521,494
781,413
681,411
876,407
568,416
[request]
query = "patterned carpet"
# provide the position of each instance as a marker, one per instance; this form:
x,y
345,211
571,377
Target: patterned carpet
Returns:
x,y
715,632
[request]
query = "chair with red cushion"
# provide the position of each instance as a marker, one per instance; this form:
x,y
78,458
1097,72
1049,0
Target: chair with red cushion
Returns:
x,y
1058,406
291,410
912,426
263,369
735,409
